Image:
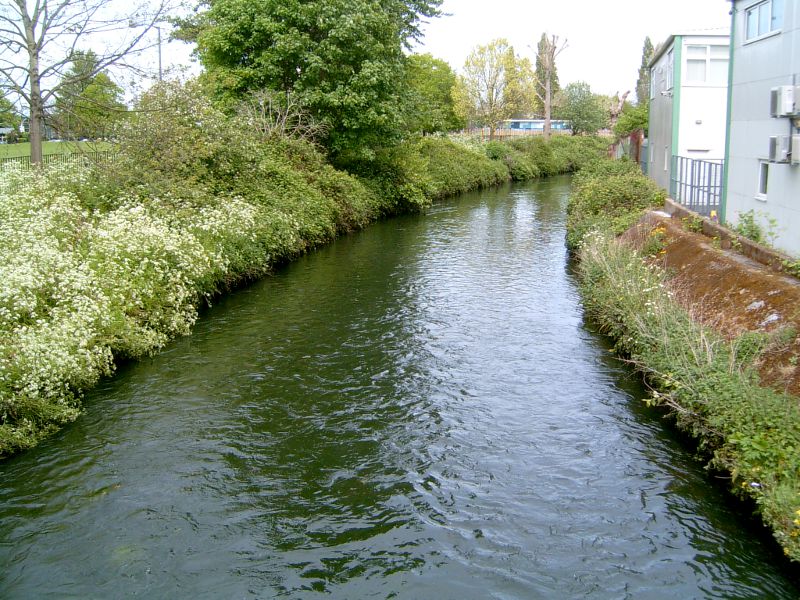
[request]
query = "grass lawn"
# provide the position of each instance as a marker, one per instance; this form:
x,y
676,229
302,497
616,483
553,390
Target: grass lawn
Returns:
x,y
12,150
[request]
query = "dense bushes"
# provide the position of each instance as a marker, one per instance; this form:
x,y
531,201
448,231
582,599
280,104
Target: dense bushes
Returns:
x,y
452,168
609,196
706,382
101,264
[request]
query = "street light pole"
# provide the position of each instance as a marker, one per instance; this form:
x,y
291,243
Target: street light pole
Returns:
x,y
158,29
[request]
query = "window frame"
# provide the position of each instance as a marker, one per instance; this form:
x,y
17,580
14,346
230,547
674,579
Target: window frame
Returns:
x,y
754,10
763,180
708,59
670,70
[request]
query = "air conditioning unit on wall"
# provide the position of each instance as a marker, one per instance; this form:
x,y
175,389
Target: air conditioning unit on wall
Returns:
x,y
780,147
784,101
796,149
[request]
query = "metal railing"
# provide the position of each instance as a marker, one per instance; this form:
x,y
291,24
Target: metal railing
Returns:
x,y
73,158
696,184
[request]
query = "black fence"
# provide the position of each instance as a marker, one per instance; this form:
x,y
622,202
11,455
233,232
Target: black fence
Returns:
x,y
73,158
696,184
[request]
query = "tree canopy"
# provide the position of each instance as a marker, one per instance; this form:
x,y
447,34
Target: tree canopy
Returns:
x,y
496,85
342,59
89,102
586,112
643,82
429,106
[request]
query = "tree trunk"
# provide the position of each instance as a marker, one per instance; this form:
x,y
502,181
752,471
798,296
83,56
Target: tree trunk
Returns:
x,y
36,116
548,100
491,132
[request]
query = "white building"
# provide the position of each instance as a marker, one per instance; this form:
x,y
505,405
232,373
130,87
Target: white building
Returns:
x,y
765,39
688,99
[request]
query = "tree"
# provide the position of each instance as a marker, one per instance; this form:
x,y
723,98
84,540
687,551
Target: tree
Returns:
x,y
38,41
546,76
632,119
585,111
616,105
643,82
496,85
342,59
87,106
9,117
429,106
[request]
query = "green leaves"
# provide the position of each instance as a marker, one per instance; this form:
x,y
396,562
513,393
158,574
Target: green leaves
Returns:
x,y
583,109
343,59
496,85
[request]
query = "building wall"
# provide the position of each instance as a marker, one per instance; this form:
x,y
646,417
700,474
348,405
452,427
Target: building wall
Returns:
x,y
758,66
690,119
660,126
702,120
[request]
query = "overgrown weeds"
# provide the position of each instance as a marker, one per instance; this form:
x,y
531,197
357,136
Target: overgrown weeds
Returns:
x,y
707,383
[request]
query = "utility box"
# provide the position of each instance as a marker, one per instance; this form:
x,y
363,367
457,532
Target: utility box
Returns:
x,y
796,149
780,147
784,101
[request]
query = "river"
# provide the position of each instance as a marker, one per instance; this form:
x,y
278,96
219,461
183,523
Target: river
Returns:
x,y
415,411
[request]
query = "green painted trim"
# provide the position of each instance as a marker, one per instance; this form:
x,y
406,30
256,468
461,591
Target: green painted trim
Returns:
x,y
723,203
676,95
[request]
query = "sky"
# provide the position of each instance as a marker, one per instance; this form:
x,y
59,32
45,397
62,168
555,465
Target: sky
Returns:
x,y
604,39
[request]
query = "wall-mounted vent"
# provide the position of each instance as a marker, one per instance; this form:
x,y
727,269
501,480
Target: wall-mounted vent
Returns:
x,y
796,149
784,101
780,147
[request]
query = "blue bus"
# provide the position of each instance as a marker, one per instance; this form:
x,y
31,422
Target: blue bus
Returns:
x,y
535,125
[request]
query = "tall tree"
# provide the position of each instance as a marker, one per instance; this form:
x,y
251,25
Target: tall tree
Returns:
x,y
39,37
343,59
496,84
429,107
546,76
88,105
586,112
643,82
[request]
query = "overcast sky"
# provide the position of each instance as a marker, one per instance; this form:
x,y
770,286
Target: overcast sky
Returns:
x,y
604,38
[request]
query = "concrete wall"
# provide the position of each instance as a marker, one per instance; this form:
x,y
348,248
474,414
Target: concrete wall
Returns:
x,y
758,66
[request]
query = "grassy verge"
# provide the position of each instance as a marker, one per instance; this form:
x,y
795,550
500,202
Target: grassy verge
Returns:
x,y
24,149
706,382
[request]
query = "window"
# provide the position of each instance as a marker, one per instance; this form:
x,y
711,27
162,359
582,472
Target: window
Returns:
x,y
707,64
653,83
763,18
763,178
670,68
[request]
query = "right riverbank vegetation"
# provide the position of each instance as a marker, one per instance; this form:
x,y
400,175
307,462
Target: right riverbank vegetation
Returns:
x,y
709,384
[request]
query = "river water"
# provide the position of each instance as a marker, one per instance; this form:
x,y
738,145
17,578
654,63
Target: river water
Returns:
x,y
416,411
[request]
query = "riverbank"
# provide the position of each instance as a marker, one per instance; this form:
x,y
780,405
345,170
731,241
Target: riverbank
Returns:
x,y
101,265
656,291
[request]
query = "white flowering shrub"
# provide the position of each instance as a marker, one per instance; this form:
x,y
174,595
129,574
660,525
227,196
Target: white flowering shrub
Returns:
x,y
79,287
97,264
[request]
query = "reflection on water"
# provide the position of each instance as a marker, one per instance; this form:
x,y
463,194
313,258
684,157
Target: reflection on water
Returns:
x,y
416,411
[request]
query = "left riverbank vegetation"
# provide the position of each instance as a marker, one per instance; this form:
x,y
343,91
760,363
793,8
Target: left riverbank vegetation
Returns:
x,y
708,383
218,180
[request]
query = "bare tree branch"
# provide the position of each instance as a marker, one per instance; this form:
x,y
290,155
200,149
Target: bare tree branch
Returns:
x,y
38,40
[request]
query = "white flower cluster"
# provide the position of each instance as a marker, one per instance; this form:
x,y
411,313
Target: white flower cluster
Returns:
x,y
77,287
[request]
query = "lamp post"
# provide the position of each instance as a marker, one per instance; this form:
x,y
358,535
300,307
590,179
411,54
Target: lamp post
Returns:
x,y
160,74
